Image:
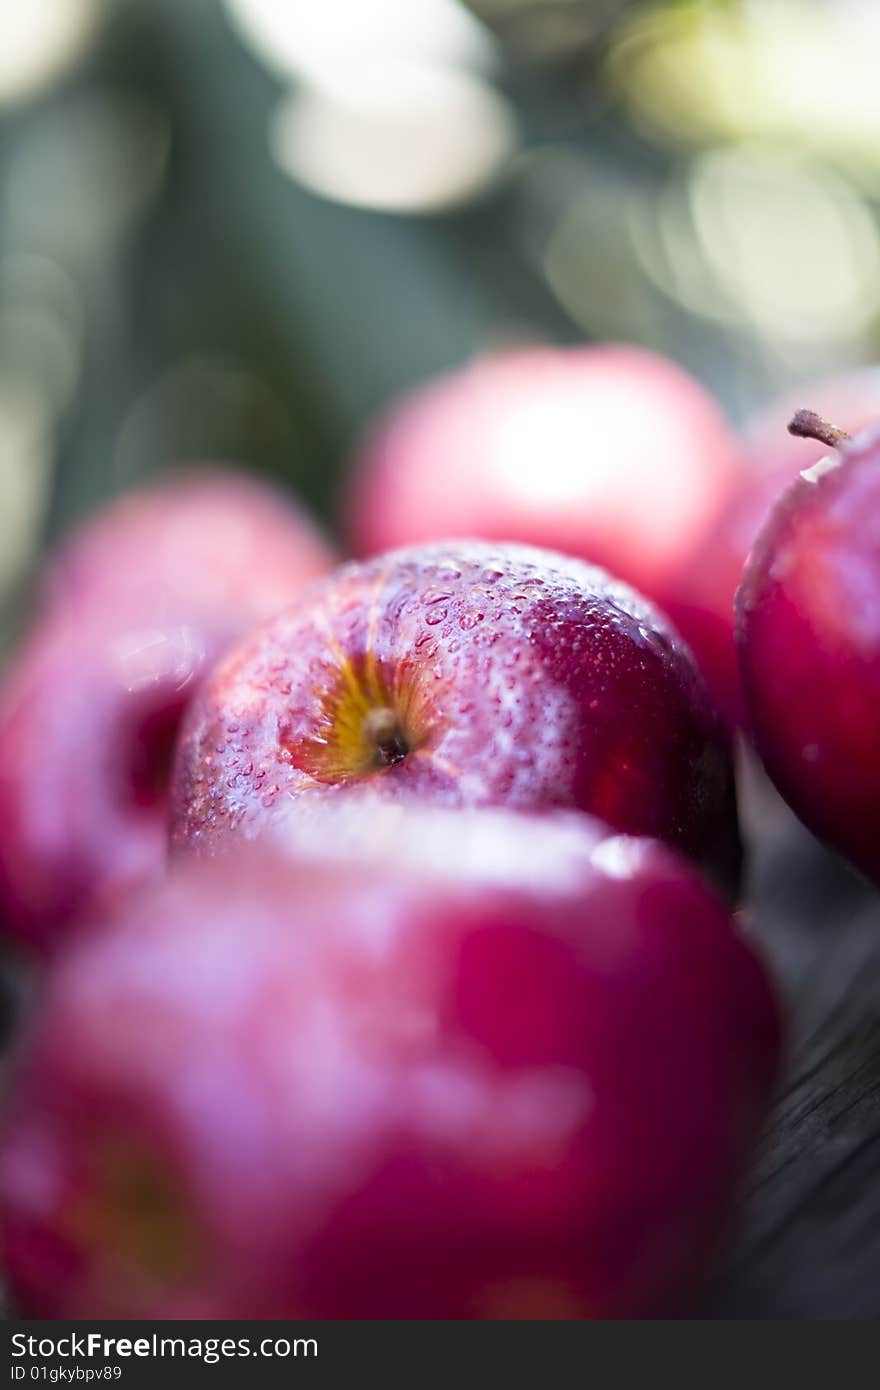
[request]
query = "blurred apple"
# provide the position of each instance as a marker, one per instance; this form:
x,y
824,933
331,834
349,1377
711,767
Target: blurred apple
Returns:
x,y
135,605
610,453
413,1064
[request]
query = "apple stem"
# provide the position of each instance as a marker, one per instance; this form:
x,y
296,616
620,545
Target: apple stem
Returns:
x,y
806,424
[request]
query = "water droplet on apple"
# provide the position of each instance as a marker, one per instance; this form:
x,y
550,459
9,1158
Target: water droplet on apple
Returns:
x,y
469,620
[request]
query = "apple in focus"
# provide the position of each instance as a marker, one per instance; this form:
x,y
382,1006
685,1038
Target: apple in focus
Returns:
x,y
467,674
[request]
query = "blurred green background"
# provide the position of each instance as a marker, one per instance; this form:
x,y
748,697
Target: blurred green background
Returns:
x,y
234,229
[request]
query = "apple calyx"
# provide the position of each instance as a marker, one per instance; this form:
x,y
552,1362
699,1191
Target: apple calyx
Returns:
x,y
806,424
382,728
373,718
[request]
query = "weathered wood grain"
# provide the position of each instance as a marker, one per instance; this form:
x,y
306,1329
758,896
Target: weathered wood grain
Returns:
x,y
809,1239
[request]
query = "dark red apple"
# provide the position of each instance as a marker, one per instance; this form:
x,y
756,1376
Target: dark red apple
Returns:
x,y
610,453
427,1065
700,600
472,675
808,631
135,606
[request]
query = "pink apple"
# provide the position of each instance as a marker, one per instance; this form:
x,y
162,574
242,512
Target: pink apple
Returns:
x,y
134,607
207,547
610,453
426,1064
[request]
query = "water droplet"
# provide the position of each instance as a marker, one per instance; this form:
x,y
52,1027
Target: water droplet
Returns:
x,y
470,619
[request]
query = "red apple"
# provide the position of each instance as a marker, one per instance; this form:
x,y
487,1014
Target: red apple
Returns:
x,y
809,642
135,606
701,604
701,601
472,675
610,453
429,1065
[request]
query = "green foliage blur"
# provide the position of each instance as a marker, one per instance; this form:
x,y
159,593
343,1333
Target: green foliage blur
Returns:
x,y
229,230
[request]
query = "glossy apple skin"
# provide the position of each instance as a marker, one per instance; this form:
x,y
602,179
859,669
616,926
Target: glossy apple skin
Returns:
x,y
808,633
134,606
610,453
700,600
454,1065
524,678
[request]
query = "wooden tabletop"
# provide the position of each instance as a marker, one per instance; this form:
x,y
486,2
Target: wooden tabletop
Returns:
x,y
809,1235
